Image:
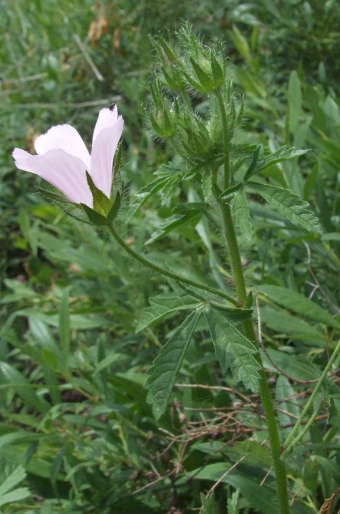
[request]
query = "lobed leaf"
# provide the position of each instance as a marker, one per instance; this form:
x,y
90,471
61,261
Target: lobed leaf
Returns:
x,y
163,305
171,224
234,351
241,212
163,372
281,155
288,204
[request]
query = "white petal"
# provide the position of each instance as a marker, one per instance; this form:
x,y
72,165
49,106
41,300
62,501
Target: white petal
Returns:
x,y
64,171
63,137
106,118
103,151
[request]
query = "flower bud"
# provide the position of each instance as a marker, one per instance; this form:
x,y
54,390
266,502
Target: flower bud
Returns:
x,y
205,68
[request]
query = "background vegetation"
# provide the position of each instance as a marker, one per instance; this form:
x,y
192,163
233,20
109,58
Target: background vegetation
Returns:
x,y
76,434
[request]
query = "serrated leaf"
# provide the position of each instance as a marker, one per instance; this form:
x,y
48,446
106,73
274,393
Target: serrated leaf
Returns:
x,y
163,305
241,212
171,224
13,479
163,372
233,503
234,351
208,505
14,496
230,191
145,193
281,155
207,184
288,204
298,303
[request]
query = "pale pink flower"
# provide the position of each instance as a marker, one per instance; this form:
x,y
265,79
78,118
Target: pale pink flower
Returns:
x,y
63,158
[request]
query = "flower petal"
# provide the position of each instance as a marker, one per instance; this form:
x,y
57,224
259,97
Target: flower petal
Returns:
x,y
63,137
64,171
103,151
106,118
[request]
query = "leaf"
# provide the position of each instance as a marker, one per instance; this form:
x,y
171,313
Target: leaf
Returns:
x,y
241,213
163,305
145,193
297,303
207,184
171,224
262,498
163,372
283,390
281,155
13,479
18,382
233,507
294,102
55,468
284,323
64,327
299,368
15,496
288,204
234,351
208,505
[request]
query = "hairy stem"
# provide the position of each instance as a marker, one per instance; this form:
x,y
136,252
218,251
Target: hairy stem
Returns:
x,y
237,270
225,139
166,272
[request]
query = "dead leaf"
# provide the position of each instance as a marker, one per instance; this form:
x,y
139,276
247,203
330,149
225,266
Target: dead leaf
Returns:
x,y
326,507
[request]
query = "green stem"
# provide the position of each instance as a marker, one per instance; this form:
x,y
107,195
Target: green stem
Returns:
x,y
236,265
235,258
165,272
225,139
293,438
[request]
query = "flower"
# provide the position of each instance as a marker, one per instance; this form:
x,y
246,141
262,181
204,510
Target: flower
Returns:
x,y
63,158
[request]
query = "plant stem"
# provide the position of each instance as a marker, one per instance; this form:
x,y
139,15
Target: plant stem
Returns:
x,y
291,442
236,266
165,272
225,139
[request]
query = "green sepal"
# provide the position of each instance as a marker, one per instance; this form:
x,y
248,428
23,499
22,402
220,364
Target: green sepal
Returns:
x,y
205,80
101,203
167,50
96,219
118,158
115,208
217,71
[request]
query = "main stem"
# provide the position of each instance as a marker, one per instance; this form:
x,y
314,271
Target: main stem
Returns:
x,y
236,265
